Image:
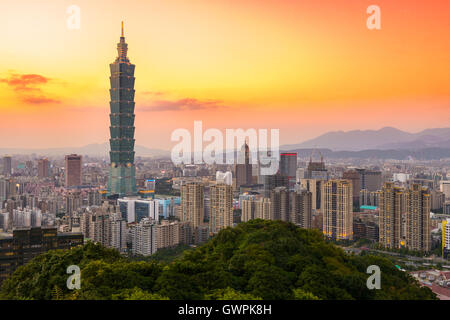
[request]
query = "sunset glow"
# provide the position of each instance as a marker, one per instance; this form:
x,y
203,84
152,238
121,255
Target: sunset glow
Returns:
x,y
305,67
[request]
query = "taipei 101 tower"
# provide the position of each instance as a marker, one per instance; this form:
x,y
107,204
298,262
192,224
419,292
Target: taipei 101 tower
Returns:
x,y
122,174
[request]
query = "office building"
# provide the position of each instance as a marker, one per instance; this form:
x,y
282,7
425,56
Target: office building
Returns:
x,y
370,180
122,174
7,165
135,209
73,170
27,243
288,165
243,167
43,168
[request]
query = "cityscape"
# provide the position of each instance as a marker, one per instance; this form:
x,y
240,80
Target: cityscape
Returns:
x,y
215,224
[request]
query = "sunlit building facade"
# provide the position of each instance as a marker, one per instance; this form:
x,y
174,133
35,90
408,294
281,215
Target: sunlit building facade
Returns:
x,y
122,175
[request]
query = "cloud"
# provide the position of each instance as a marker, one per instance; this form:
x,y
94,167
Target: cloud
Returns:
x,y
27,87
183,104
39,100
153,93
25,81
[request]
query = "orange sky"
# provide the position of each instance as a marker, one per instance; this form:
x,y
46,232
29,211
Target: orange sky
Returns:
x,y
305,67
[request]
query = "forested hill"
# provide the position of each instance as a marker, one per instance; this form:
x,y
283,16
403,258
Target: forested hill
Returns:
x,y
255,260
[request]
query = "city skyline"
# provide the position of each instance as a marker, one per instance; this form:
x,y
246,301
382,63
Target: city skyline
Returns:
x,y
303,68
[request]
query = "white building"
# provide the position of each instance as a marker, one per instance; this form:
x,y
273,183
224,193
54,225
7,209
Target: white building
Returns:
x,y
118,232
135,209
144,239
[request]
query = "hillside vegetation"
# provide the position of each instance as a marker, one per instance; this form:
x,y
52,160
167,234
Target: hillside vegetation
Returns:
x,y
256,260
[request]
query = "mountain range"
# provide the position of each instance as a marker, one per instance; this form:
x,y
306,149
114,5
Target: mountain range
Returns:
x,y
387,138
95,149
385,142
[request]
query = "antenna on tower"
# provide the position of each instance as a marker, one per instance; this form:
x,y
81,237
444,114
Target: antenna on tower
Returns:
x,y
122,30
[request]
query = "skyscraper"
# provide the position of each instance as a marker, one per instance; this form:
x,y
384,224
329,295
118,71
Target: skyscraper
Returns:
x,y
43,167
122,174
338,210
355,178
288,164
221,207
243,169
418,207
390,218
73,170
7,166
192,203
279,199
301,208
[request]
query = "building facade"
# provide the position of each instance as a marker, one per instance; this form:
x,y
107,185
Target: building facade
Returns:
x,y
122,174
338,210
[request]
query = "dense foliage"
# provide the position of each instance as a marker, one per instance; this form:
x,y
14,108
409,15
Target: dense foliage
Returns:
x,y
255,260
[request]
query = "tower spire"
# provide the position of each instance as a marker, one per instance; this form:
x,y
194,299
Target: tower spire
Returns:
x,y
122,48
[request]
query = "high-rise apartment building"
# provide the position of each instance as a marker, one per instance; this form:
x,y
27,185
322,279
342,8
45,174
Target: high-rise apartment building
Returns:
x,y
279,200
43,168
221,207
418,207
7,165
288,165
445,238
192,203
73,170
256,209
369,198
300,211
168,234
338,210
144,238
445,188
390,216
315,187
118,232
355,178
122,175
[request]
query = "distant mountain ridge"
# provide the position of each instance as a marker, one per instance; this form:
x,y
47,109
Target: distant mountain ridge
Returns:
x,y
384,139
95,149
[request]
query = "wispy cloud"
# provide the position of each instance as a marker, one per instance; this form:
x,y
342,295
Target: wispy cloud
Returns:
x,y
28,87
153,93
182,105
